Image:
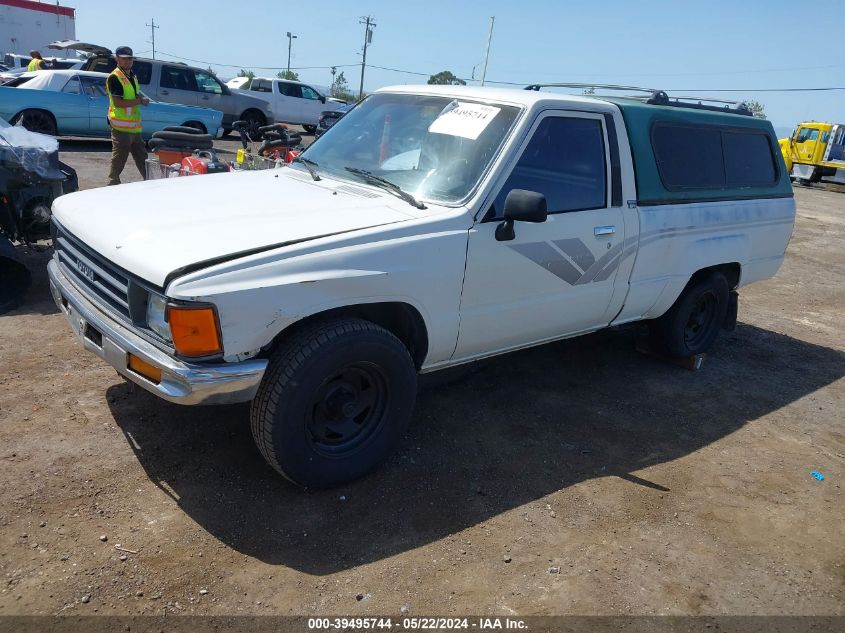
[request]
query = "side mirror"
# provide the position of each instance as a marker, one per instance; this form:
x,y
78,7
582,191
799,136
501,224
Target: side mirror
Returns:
x,y
322,99
521,206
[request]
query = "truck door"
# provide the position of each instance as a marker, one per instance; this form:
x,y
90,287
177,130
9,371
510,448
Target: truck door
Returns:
x,y
806,140
210,93
178,85
291,103
312,105
556,277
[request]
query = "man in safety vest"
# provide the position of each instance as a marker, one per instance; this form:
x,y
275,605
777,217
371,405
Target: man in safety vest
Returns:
x,y
36,63
125,99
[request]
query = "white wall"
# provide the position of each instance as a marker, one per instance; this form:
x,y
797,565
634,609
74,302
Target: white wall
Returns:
x,y
22,30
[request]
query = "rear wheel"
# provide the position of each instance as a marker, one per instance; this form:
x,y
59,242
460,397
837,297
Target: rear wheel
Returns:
x,y
691,325
335,401
195,125
36,121
254,120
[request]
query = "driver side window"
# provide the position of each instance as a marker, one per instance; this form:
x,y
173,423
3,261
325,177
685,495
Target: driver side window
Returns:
x,y
208,83
564,161
73,86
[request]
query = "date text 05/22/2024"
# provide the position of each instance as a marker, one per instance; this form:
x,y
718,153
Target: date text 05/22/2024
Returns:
x,y
415,623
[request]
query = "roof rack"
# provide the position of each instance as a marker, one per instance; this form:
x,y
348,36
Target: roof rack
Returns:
x,y
659,97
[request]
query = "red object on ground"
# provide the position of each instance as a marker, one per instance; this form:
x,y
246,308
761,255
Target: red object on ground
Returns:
x,y
195,165
291,155
170,156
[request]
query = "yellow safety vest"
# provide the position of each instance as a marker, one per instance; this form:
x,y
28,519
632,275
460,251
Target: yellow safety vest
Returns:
x,y
35,64
125,119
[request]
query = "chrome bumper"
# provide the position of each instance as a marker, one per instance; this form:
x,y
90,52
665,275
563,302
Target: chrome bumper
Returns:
x,y
183,383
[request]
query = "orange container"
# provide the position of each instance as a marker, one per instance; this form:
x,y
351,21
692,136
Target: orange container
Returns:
x,y
170,156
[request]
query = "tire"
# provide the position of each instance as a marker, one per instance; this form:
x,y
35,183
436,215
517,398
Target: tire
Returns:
x,y
186,137
36,121
190,127
254,120
310,128
311,418
693,322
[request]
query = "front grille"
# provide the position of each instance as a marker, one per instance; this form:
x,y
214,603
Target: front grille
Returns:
x,y
101,280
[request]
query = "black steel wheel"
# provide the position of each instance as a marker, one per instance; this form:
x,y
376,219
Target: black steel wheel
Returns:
x,y
37,121
334,402
348,408
691,325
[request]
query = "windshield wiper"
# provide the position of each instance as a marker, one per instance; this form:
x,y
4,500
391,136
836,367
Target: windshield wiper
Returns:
x,y
310,165
384,183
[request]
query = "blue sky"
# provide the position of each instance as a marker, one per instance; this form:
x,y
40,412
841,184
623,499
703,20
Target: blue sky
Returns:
x,y
694,47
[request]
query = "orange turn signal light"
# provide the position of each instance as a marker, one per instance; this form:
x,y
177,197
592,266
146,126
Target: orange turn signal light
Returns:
x,y
142,367
194,330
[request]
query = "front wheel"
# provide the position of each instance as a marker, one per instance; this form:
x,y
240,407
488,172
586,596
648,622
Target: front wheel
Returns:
x,y
335,401
690,326
36,121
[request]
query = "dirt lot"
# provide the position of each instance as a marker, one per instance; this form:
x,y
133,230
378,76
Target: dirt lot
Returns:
x,y
575,478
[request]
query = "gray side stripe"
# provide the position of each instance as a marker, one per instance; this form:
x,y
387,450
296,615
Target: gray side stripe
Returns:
x,y
543,254
577,251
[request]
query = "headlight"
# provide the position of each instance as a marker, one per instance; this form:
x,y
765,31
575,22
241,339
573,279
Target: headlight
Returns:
x,y
156,316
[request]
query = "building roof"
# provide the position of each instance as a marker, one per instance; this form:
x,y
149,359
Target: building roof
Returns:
x,y
44,7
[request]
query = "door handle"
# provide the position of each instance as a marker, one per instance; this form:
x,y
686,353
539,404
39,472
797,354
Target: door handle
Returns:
x,y
164,92
205,98
604,230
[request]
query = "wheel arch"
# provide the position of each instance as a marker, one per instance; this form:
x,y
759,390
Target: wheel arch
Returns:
x,y
44,110
401,319
732,272
197,125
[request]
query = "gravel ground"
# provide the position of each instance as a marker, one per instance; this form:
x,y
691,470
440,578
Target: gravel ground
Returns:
x,y
575,478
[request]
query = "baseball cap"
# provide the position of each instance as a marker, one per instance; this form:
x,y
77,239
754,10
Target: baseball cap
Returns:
x,y
123,51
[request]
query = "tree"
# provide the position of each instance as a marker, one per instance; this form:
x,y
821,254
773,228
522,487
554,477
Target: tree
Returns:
x,y
757,109
340,88
246,73
446,78
288,74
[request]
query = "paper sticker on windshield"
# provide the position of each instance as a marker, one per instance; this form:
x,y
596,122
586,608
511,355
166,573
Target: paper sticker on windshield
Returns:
x,y
467,120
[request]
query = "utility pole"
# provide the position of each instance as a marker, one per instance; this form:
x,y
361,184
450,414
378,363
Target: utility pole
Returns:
x,y
368,38
291,38
487,52
153,28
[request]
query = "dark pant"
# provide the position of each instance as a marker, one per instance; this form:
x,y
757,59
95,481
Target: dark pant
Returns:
x,y
122,144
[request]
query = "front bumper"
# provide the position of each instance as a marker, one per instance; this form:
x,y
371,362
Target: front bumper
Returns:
x,y
181,382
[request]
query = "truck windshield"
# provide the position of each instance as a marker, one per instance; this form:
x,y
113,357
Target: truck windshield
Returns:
x,y
434,148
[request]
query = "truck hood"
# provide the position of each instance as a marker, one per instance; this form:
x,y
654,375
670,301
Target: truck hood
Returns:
x,y
154,228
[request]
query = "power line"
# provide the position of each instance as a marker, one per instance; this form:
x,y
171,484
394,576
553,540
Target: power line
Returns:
x,y
201,61
506,83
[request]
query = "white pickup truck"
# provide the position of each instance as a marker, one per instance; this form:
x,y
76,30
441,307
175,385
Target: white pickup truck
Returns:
x,y
432,226
292,101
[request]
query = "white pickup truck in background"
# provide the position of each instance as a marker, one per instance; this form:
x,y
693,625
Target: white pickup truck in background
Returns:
x,y
292,101
431,226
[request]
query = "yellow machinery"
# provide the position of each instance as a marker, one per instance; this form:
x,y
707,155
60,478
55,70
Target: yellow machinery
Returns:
x,y
815,151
